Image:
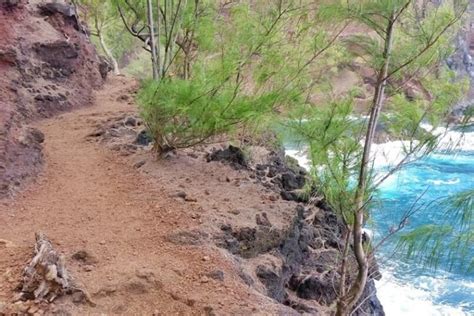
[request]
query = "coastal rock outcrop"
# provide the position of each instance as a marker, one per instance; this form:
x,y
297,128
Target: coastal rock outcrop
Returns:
x,y
298,265
288,248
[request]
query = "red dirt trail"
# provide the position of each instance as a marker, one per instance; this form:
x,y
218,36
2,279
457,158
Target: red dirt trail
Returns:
x,y
90,198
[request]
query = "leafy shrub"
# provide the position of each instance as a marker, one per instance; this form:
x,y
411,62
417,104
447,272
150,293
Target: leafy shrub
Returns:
x,y
184,113
246,70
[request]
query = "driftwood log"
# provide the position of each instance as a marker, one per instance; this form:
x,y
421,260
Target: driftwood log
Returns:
x,y
45,277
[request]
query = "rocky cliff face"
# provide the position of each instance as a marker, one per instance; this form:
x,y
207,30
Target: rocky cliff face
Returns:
x,y
462,60
47,65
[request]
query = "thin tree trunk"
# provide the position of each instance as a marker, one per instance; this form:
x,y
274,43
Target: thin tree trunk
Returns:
x,y
173,30
345,304
170,36
345,252
152,39
107,52
166,18
158,40
187,66
177,25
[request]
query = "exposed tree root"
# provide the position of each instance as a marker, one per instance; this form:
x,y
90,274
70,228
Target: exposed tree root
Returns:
x,y
45,278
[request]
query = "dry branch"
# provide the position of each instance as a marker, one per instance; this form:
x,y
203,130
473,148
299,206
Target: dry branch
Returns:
x,y
46,277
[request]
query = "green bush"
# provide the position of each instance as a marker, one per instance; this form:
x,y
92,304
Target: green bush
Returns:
x,y
246,71
184,113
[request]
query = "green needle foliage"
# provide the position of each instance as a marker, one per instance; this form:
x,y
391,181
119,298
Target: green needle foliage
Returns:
x,y
243,73
334,148
401,48
186,114
450,243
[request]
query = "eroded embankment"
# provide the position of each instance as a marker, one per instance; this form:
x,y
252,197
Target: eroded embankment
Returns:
x,y
47,66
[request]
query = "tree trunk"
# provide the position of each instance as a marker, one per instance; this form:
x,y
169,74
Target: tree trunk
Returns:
x,y
166,25
151,43
345,253
158,40
186,65
177,20
172,19
346,303
108,53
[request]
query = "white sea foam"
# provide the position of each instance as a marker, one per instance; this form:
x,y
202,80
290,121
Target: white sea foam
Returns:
x,y
388,154
408,299
446,182
401,299
300,155
393,152
451,139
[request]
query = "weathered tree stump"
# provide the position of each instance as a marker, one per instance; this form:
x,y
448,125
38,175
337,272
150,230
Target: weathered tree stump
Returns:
x,y
45,277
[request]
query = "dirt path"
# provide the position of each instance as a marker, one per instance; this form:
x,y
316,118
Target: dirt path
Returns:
x,y
90,199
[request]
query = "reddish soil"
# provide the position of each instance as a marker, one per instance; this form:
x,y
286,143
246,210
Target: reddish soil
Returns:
x,y
91,199
47,65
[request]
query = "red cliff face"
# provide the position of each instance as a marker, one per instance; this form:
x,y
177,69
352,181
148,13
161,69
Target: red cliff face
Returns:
x,y
47,65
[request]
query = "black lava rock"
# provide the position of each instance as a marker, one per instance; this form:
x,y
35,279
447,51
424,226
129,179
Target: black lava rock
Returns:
x,y
290,181
143,138
233,155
